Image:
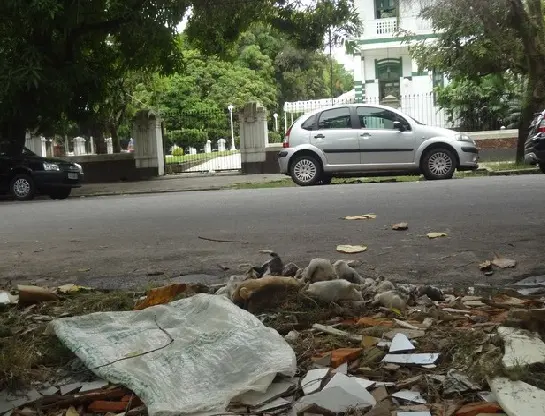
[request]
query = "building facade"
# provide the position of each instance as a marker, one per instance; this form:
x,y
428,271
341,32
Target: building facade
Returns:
x,y
382,63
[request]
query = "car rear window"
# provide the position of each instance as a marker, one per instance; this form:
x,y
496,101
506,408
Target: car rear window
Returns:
x,y
310,123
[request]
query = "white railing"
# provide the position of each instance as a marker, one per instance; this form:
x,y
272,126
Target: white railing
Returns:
x,y
385,28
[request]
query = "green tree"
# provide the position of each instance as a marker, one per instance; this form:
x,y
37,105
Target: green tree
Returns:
x,y
60,56
480,38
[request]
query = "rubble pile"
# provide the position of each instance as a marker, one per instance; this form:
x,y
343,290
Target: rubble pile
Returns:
x,y
363,345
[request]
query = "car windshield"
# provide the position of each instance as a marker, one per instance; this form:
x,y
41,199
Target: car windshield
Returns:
x,y
416,121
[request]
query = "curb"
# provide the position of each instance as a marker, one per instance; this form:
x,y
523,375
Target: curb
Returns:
x,y
529,171
169,191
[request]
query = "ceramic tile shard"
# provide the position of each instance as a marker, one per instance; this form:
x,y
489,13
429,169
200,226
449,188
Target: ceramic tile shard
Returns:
x,y
400,343
417,359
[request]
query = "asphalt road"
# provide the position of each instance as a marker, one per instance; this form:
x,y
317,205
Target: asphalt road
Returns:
x,y
122,241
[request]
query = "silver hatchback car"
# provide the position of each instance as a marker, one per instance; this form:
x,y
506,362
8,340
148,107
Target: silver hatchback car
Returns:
x,y
360,139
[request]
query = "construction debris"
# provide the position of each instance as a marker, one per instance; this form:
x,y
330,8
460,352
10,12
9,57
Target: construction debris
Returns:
x,y
358,346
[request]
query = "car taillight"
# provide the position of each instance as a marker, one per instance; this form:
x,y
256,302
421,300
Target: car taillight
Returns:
x,y
286,142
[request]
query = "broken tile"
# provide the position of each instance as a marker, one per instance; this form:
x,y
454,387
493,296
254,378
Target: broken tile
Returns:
x,y
343,355
419,359
50,391
323,361
424,413
334,400
488,396
473,409
380,394
352,386
343,369
365,383
410,396
532,281
518,398
93,385
275,404
70,388
521,347
410,333
383,408
313,380
9,401
254,398
400,343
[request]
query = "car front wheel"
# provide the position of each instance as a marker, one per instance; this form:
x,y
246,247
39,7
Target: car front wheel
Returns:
x,y
306,170
438,164
22,187
60,193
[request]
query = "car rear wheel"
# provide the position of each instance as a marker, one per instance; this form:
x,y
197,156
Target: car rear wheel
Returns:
x,y
22,187
306,170
438,164
542,167
60,193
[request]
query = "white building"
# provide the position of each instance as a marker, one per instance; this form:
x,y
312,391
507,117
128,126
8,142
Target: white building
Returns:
x,y
382,63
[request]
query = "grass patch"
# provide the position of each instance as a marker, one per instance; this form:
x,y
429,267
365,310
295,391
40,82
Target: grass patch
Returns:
x,y
26,354
201,157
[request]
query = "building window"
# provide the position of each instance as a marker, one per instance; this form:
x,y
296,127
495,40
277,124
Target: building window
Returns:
x,y
385,9
388,72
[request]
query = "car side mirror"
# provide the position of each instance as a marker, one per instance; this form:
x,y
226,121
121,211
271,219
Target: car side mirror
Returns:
x,y
399,126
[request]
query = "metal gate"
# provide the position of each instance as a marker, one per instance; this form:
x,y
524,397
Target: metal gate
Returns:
x,y
205,141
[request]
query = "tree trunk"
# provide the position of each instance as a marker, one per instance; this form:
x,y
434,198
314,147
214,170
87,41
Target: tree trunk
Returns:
x,y
528,21
14,132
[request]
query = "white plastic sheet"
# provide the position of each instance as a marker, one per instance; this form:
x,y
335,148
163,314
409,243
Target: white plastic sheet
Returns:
x,y
206,351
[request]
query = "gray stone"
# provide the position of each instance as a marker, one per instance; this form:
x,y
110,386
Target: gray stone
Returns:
x,y
292,336
313,380
70,388
275,404
290,269
320,270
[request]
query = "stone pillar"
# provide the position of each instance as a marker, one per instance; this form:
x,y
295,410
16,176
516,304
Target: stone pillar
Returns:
x,y
192,151
148,144
253,138
92,145
221,145
35,144
79,146
109,145
359,77
208,147
43,146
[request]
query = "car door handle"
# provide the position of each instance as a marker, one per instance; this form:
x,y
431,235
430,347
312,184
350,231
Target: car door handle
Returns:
x,y
319,136
365,135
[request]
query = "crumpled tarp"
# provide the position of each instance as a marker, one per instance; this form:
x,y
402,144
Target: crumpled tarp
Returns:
x,y
206,351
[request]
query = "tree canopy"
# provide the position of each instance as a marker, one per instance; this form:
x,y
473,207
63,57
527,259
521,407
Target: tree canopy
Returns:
x,y
62,57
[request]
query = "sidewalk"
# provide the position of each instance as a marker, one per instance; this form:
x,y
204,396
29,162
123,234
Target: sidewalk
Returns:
x,y
172,183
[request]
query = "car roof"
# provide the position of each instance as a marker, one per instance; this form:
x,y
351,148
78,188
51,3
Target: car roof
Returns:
x,y
319,110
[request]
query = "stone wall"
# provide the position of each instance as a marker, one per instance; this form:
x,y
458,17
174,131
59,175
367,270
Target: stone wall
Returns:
x,y
496,146
119,167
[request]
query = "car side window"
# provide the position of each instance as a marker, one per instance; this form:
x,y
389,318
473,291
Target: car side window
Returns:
x,y
335,118
378,118
310,123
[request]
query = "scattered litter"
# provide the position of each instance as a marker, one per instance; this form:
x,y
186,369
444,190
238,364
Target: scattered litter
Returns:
x,y
348,249
352,386
410,396
402,226
274,391
34,294
71,288
457,383
409,333
521,349
334,331
334,400
162,295
360,217
436,235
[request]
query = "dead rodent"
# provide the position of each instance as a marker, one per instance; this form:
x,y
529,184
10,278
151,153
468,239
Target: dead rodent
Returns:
x,y
263,287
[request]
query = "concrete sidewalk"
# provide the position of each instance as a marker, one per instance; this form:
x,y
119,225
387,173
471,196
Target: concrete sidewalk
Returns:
x,y
173,183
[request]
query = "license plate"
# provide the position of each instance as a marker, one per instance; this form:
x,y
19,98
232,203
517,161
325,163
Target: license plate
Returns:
x,y
72,176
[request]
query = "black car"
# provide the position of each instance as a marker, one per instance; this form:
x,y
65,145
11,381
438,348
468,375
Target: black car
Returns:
x,y
25,174
534,148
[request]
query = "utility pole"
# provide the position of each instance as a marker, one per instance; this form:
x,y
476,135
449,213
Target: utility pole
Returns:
x,y
331,63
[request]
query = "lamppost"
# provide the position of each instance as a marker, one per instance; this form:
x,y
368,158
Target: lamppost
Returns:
x,y
230,108
275,121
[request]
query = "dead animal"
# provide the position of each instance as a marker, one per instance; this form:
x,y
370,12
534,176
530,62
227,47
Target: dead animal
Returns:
x,y
334,291
266,289
344,271
275,266
391,300
320,270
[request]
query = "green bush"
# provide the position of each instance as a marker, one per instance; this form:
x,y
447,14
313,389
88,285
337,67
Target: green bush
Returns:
x,y
188,138
178,152
275,137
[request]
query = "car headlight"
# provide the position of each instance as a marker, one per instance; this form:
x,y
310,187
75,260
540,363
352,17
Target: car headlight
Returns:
x,y
464,138
51,166
79,167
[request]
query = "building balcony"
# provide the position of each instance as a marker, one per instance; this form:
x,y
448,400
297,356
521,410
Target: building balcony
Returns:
x,y
389,28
